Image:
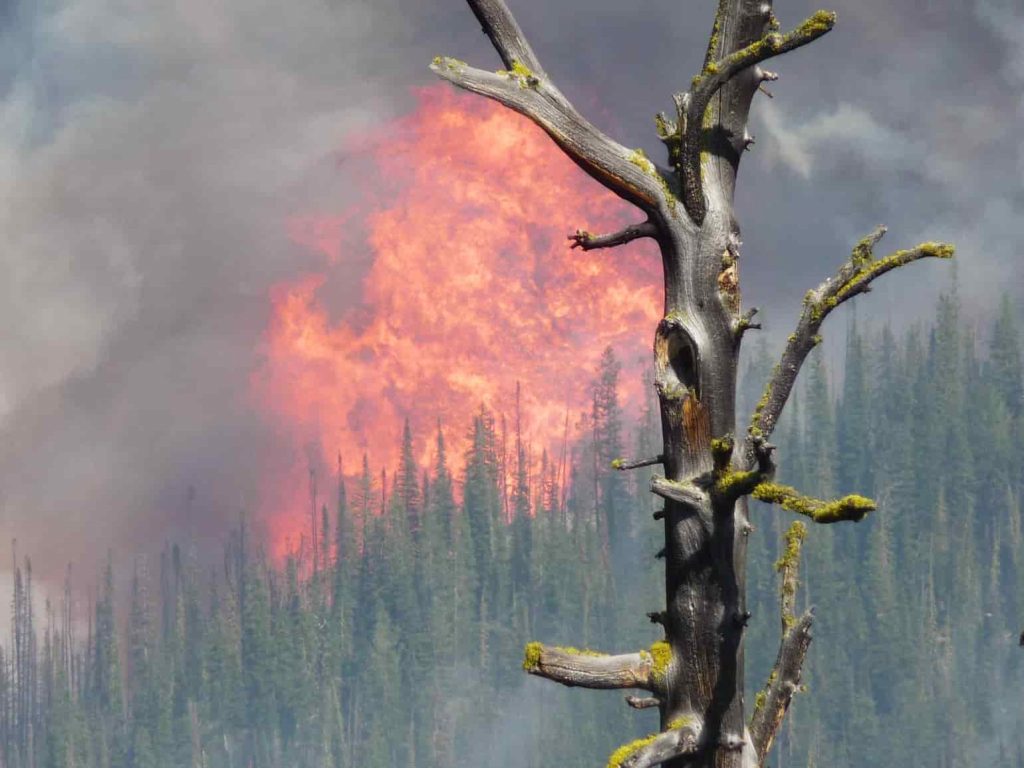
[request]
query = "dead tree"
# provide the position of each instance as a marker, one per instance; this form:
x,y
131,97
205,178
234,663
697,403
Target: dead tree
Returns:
x,y
695,675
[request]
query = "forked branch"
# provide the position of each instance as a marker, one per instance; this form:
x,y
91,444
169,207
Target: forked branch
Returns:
x,y
716,73
730,484
854,277
507,38
772,702
524,87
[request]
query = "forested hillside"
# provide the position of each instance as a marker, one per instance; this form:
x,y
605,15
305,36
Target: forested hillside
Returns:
x,y
400,644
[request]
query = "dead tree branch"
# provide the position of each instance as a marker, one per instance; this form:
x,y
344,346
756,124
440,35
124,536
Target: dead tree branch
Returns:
x,y
772,702
524,87
746,323
853,278
853,508
622,465
691,108
506,36
683,737
587,669
685,493
588,241
643,702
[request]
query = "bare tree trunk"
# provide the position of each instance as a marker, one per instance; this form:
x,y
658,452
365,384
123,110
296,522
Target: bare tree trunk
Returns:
x,y
695,675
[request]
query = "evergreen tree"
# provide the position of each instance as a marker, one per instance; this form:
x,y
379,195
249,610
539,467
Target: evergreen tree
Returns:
x,y
606,420
407,482
522,531
853,429
257,648
365,661
1005,358
480,505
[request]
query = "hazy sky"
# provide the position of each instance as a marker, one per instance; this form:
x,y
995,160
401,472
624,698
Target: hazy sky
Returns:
x,y
150,153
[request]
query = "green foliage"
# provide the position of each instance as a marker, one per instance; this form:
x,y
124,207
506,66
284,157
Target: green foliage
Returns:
x,y
896,666
407,651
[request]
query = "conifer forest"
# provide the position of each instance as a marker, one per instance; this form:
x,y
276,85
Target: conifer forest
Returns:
x,y
496,464
400,642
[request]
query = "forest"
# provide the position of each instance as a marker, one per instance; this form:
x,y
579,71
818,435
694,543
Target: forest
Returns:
x,y
399,640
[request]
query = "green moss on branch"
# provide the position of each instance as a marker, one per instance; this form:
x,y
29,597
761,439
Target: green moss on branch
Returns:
x,y
818,24
755,421
639,158
794,539
449,63
523,74
626,751
531,657
721,451
851,507
661,658
733,483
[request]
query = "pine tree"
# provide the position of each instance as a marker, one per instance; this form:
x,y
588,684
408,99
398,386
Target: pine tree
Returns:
x,y
407,482
106,692
522,529
223,692
820,438
853,430
918,626
480,498
612,496
1005,358
257,647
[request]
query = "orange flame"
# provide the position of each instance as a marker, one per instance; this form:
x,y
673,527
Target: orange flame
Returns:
x,y
470,287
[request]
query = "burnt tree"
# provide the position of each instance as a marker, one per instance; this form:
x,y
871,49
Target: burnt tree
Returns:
x,y
695,675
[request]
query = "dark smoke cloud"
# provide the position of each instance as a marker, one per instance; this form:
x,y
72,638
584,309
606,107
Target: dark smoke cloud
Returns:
x,y
150,153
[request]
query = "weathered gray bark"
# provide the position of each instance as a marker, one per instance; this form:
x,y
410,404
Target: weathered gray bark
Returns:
x,y
696,673
571,667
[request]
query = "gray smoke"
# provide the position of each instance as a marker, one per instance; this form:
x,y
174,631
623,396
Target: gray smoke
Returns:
x,y
151,152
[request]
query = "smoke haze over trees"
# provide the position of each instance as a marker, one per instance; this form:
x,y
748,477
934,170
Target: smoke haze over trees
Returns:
x,y
151,158
400,643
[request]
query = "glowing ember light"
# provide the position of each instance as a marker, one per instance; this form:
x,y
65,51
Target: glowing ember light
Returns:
x,y
470,287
